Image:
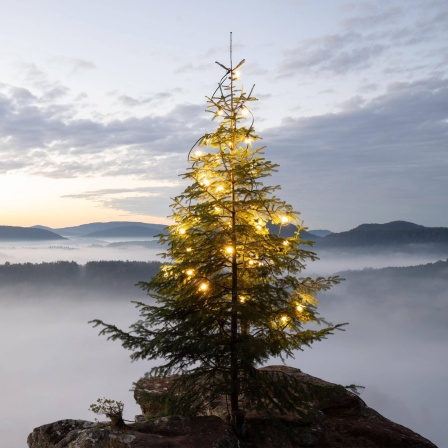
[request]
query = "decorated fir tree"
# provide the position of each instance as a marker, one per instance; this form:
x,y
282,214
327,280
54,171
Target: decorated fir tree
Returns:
x,y
231,296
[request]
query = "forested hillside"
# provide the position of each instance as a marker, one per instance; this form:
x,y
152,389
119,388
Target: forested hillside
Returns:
x,y
14,233
395,233
115,278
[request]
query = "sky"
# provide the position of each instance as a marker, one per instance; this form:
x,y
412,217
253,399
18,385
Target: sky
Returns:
x,y
101,101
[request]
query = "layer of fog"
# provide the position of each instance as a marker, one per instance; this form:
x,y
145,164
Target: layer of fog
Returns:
x,y
396,345
80,250
335,260
54,365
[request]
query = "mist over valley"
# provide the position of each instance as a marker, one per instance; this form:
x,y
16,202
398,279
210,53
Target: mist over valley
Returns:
x,y
395,298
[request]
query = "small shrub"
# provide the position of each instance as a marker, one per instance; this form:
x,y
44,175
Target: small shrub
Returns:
x,y
110,408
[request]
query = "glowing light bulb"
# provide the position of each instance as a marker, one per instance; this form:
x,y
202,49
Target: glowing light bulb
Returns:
x,y
189,272
198,153
284,219
251,262
258,227
220,188
284,319
248,140
219,112
285,243
299,308
189,249
236,74
229,249
203,287
182,231
242,299
217,209
244,111
206,182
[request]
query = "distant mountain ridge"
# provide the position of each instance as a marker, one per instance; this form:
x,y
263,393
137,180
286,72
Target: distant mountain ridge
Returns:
x,y
113,229
130,229
395,233
321,232
117,278
392,233
125,232
94,229
13,233
289,230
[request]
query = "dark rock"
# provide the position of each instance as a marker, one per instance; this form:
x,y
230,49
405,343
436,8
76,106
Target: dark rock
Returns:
x,y
166,432
333,418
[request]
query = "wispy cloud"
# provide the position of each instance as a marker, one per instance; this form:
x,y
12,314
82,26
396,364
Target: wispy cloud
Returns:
x,y
376,37
152,201
390,149
42,137
335,54
82,64
129,101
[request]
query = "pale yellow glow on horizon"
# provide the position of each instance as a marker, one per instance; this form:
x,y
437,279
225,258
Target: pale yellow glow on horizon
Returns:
x,y
31,200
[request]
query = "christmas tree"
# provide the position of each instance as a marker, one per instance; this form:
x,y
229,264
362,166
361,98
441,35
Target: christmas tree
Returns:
x,y
231,296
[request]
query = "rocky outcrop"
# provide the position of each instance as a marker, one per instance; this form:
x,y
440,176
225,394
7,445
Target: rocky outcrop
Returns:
x,y
165,432
335,418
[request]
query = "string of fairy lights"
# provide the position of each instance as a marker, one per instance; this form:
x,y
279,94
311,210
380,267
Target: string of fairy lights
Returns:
x,y
228,104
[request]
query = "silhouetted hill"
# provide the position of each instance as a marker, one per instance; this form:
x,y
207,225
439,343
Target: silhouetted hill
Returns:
x,y
431,273
416,293
118,278
86,229
42,227
321,233
11,233
390,234
114,278
288,230
396,233
131,231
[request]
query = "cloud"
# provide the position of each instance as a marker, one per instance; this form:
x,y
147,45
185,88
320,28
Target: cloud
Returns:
x,y
74,65
32,73
376,37
334,54
127,100
386,141
409,115
130,101
375,18
387,148
192,68
81,64
153,201
391,149
42,137
21,95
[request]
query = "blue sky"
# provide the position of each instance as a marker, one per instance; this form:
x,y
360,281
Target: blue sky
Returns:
x,y
101,101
